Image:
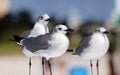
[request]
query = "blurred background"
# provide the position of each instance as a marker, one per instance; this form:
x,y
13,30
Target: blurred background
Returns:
x,y
83,16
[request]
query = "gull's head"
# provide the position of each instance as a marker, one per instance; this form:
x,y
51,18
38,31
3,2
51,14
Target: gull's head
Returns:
x,y
101,30
61,29
44,19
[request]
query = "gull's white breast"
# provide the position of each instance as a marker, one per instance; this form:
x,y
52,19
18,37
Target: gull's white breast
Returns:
x,y
98,47
59,45
38,29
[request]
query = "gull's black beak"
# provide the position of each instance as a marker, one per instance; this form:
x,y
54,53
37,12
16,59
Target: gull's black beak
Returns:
x,y
69,30
106,32
48,20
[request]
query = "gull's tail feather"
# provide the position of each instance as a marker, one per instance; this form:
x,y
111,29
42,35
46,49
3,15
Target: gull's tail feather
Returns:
x,y
76,52
17,38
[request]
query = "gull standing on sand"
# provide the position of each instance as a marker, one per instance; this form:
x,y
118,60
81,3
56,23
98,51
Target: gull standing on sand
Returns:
x,y
94,46
39,28
50,45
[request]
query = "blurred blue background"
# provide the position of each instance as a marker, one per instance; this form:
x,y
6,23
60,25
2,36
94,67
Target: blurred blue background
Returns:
x,y
88,9
78,70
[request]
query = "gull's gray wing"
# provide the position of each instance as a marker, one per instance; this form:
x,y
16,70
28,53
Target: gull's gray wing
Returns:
x,y
26,33
84,43
38,43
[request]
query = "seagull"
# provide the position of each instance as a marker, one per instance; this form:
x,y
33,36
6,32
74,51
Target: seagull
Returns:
x,y
40,28
50,45
93,46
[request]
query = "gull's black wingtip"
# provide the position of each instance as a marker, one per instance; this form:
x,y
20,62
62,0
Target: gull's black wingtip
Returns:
x,y
70,50
17,38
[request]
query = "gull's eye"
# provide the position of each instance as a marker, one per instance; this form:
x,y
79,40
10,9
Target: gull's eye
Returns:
x,y
41,17
97,30
60,28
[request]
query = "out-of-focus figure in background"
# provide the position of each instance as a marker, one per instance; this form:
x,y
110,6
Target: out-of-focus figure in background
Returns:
x,y
113,24
4,8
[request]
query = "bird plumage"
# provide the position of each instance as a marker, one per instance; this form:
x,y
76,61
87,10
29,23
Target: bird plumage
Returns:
x,y
94,46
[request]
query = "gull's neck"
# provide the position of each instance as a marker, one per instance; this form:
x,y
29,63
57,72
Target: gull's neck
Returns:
x,y
38,29
38,25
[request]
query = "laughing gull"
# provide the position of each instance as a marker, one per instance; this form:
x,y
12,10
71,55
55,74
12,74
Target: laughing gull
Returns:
x,y
50,45
39,28
94,46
